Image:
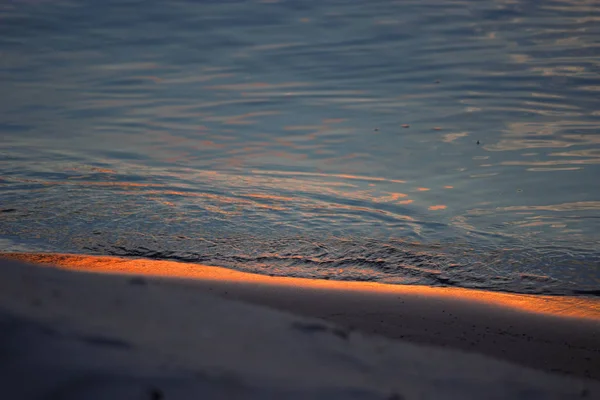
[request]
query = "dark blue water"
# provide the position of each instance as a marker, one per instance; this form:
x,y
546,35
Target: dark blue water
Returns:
x,y
435,142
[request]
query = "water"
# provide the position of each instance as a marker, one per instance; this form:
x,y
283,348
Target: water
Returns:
x,y
432,142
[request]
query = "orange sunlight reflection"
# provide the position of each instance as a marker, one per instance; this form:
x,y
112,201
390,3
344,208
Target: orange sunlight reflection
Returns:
x,y
564,306
438,207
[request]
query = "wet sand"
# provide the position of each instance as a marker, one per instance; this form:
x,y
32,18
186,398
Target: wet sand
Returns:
x,y
555,334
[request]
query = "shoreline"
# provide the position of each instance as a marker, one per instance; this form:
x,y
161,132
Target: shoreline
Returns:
x,y
549,333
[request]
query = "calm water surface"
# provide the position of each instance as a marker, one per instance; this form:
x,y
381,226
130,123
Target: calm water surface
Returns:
x,y
434,142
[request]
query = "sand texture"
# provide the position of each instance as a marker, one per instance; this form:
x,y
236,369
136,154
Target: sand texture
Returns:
x,y
552,333
71,335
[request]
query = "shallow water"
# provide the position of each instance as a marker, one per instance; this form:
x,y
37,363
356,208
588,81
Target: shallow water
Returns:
x,y
435,142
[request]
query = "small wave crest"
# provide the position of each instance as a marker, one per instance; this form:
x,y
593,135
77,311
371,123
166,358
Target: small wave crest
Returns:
x,y
391,261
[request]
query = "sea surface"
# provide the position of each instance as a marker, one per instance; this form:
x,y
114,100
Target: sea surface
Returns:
x,y
435,142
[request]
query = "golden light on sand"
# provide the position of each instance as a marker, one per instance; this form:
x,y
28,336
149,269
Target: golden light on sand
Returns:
x,y
564,306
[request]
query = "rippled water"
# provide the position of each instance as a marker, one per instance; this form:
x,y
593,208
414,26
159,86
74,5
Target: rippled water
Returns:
x,y
437,142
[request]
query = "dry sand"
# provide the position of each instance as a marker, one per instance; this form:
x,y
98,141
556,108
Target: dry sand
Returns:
x,y
70,335
555,334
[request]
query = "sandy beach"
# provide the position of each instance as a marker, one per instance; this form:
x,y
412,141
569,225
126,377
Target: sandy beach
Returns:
x,y
551,334
393,200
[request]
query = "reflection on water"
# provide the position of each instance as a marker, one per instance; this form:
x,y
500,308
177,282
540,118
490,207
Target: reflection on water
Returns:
x,y
440,142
